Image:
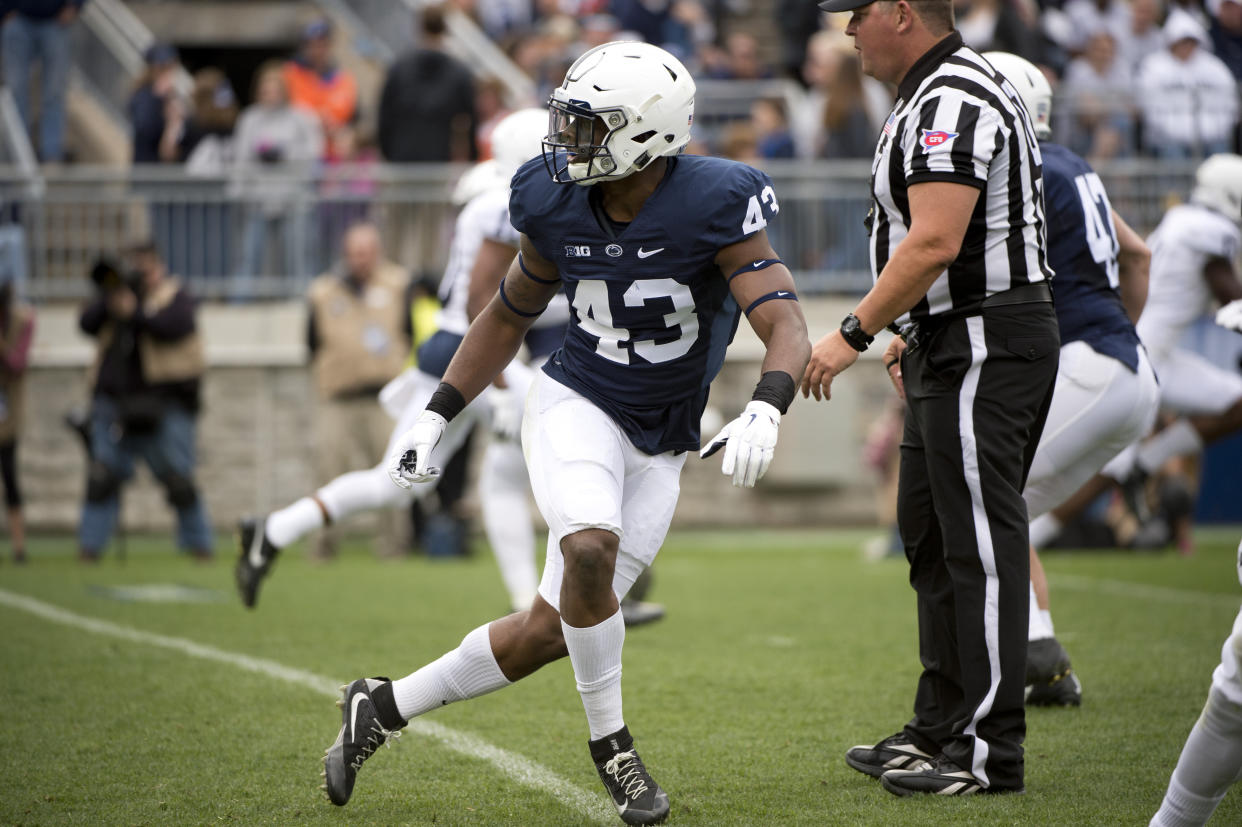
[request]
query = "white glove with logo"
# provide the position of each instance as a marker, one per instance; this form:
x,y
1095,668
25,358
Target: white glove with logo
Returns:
x,y
749,442
506,413
408,462
1230,316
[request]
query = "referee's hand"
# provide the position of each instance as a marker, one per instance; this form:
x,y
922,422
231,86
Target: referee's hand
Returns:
x,y
892,364
830,355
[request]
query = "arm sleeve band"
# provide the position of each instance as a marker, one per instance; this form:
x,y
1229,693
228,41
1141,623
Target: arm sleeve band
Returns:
x,y
531,275
754,267
447,401
777,388
509,304
767,297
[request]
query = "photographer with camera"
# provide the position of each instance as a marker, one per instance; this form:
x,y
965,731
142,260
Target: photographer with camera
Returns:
x,y
145,386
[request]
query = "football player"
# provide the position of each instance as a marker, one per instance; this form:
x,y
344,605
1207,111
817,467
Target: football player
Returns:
x,y
1211,760
660,255
1106,394
1194,250
484,244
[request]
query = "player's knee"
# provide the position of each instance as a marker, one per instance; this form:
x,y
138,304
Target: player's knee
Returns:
x,y
590,559
180,490
101,483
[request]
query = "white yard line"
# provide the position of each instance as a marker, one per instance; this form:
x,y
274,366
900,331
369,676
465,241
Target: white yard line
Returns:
x,y
513,766
1142,591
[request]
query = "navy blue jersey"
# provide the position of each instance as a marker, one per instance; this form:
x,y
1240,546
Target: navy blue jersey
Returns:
x,y
650,312
1082,250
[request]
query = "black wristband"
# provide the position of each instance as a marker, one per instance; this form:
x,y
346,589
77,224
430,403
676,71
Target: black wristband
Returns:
x,y
889,364
777,388
447,401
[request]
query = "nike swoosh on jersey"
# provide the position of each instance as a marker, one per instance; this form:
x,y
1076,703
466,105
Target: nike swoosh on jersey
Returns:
x,y
647,253
353,713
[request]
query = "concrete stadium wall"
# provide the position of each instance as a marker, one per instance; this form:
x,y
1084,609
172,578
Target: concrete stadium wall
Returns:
x,y
255,446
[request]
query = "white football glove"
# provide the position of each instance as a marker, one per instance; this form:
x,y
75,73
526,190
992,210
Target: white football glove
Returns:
x,y
1230,316
506,413
749,442
408,462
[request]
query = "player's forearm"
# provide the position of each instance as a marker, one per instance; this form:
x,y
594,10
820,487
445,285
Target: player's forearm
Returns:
x,y
788,348
1134,265
490,344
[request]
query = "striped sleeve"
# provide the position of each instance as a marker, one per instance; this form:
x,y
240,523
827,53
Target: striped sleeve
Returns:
x,y
952,138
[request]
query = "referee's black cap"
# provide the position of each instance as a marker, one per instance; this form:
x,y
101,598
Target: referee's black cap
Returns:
x,y
844,5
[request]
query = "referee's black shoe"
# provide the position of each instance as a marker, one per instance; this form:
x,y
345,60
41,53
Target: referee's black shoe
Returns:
x,y
896,752
939,776
254,559
1050,679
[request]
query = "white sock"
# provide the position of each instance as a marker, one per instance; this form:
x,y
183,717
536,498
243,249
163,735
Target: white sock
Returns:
x,y
595,653
293,521
468,671
1044,529
503,494
1177,440
1210,762
1038,625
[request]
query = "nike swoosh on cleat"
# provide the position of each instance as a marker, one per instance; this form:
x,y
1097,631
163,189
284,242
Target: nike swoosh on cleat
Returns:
x,y
647,253
353,713
256,547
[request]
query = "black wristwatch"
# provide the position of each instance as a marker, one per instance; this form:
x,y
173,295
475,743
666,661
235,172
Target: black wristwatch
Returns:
x,y
852,332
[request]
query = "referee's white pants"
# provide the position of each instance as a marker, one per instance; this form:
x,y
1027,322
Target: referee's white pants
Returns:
x,y
1098,408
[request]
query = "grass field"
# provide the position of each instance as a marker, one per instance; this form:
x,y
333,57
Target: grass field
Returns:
x,y
780,651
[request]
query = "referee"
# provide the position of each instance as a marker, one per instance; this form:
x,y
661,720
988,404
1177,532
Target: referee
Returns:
x,y
957,241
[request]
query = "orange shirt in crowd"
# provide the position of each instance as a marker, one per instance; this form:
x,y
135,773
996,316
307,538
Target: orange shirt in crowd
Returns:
x,y
334,97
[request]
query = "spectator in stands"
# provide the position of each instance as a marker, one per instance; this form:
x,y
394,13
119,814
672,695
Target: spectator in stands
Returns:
x,y
315,82
1142,35
17,322
771,121
37,32
499,18
275,147
431,88
145,380
357,341
832,72
988,25
1086,17
156,112
739,141
741,59
679,26
1188,97
206,139
1226,32
1098,98
797,21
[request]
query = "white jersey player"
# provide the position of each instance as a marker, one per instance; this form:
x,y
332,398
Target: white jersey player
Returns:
x,y
1194,250
1211,760
484,244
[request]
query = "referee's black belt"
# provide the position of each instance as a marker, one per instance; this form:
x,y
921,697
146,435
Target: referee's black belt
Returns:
x,y
1039,292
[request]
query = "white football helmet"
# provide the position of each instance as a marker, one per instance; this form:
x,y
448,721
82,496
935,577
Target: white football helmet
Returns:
x,y
1033,88
1218,185
621,106
515,140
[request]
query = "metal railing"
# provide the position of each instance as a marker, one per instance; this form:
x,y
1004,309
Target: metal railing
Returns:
x,y
267,236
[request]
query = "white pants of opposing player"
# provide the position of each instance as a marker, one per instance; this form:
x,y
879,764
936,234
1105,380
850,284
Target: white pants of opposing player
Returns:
x,y
1190,386
586,473
1099,406
503,484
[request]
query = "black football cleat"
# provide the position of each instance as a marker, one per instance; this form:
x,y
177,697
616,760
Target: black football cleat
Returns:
x,y
361,735
896,752
1050,679
939,776
254,559
635,794
640,612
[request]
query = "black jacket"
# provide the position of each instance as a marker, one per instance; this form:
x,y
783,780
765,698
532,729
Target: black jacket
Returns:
x,y
424,92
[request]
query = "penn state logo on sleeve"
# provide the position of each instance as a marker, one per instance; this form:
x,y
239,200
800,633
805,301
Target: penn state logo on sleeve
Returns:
x,y
936,139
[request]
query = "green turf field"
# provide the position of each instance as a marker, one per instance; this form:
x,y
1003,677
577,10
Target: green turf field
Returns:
x,y
780,651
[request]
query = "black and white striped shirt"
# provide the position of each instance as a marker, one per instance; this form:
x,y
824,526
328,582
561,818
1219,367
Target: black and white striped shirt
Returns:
x,y
956,119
